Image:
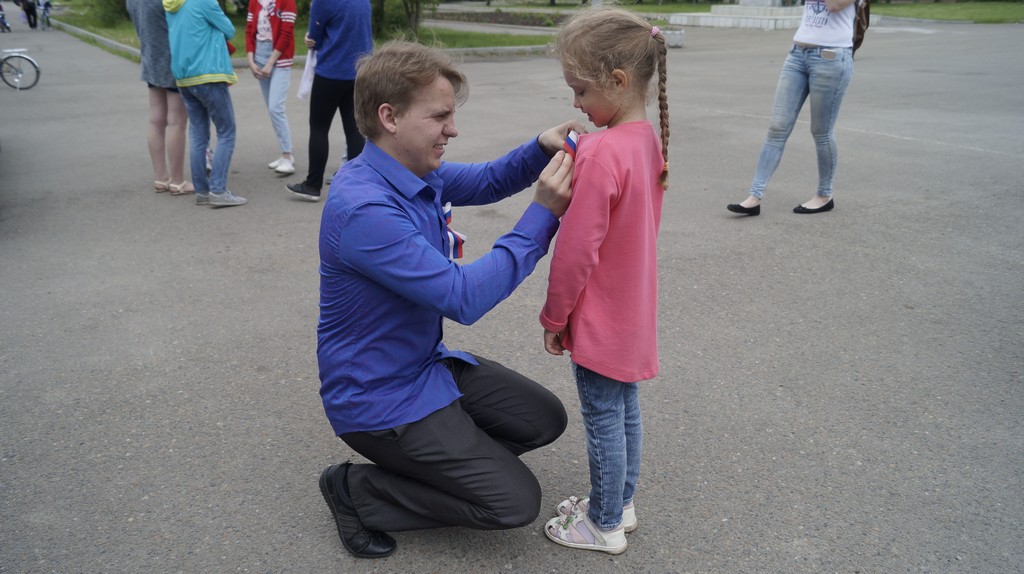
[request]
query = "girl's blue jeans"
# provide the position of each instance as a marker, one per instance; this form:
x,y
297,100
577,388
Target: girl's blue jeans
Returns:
x,y
806,74
207,103
611,417
275,94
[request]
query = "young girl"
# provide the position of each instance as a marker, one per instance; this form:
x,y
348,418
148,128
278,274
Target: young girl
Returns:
x,y
603,287
270,47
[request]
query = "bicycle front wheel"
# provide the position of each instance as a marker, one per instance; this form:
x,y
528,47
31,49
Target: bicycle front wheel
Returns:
x,y
19,72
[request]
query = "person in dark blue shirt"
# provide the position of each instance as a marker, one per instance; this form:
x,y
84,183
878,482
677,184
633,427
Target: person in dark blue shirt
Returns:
x,y
443,427
340,32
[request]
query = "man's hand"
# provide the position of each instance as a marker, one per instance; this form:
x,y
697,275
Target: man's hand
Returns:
x,y
551,140
553,186
310,44
553,342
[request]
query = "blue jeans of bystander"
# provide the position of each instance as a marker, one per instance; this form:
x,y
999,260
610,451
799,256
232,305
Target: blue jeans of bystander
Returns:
x,y
206,103
806,74
611,417
275,94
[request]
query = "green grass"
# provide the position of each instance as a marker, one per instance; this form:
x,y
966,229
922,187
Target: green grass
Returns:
x,y
458,39
978,12
79,14
124,33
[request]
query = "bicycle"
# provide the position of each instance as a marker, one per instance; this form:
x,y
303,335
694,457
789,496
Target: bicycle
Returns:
x,y
18,70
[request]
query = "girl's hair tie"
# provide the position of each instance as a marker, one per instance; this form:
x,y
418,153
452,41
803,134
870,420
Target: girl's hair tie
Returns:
x,y
654,31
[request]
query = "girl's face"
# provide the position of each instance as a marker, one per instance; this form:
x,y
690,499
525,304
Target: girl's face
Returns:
x,y
601,110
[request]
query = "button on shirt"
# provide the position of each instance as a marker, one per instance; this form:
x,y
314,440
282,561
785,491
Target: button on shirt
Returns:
x,y
386,282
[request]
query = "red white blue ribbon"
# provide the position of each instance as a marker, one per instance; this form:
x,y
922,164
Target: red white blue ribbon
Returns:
x,y
455,239
571,141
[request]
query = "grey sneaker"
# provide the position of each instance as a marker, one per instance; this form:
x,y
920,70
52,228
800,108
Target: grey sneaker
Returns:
x,y
202,198
226,199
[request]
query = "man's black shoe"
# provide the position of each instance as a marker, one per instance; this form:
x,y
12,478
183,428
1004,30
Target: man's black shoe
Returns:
x,y
359,541
303,191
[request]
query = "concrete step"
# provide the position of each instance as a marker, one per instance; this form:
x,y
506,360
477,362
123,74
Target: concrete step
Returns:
x,y
766,11
736,21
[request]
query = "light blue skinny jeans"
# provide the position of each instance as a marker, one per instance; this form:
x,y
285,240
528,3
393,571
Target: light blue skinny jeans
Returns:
x,y
806,74
275,94
207,103
611,417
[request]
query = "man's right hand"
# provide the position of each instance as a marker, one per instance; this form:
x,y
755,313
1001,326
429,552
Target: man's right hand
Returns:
x,y
553,186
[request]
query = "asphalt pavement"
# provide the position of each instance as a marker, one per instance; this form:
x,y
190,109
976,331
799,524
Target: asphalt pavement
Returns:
x,y
839,392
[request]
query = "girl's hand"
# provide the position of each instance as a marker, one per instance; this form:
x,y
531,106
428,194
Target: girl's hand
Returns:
x,y
553,342
254,69
267,70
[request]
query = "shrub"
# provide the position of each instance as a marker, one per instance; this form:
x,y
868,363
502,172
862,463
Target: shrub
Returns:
x,y
110,12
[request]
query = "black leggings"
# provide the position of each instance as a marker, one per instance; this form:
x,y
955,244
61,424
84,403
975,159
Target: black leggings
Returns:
x,y
326,97
29,7
459,466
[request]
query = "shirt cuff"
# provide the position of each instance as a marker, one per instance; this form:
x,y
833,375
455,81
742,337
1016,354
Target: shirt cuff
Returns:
x,y
549,325
539,224
537,157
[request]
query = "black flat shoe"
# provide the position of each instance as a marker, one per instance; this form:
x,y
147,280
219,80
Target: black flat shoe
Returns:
x,y
358,540
737,208
827,207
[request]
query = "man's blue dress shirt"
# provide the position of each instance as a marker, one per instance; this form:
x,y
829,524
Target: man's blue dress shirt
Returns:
x,y
386,282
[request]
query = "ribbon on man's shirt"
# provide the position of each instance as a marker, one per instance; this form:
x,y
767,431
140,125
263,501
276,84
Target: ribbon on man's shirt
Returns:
x,y
455,239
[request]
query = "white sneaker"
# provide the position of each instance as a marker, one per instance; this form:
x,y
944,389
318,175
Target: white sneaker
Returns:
x,y
574,505
284,166
275,163
577,531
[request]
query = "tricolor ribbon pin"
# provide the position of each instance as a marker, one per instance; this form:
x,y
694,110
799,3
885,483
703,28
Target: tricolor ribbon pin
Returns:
x,y
571,141
455,239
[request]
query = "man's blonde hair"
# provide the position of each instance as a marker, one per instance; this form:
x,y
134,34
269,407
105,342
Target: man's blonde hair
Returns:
x,y
392,73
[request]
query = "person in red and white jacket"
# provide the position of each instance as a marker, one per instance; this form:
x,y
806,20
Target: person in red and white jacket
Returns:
x,y
270,48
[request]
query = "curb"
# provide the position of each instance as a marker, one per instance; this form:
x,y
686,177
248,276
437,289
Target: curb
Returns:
x,y
242,63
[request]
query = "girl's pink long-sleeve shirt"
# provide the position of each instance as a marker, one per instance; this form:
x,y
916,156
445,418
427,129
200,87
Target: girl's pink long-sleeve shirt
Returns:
x,y
603,284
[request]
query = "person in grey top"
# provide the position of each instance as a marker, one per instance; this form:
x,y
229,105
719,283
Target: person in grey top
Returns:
x,y
168,120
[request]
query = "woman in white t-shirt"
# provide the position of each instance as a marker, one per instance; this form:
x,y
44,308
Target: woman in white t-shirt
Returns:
x,y
819,66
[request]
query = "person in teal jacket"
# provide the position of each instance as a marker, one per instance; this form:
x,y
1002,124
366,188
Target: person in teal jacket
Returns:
x,y
200,35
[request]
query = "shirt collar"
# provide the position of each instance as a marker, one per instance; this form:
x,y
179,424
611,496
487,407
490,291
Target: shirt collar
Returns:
x,y
397,174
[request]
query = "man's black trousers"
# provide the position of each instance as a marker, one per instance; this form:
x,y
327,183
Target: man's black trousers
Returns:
x,y
459,466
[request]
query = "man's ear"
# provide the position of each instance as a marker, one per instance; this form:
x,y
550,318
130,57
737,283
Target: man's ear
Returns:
x,y
387,117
